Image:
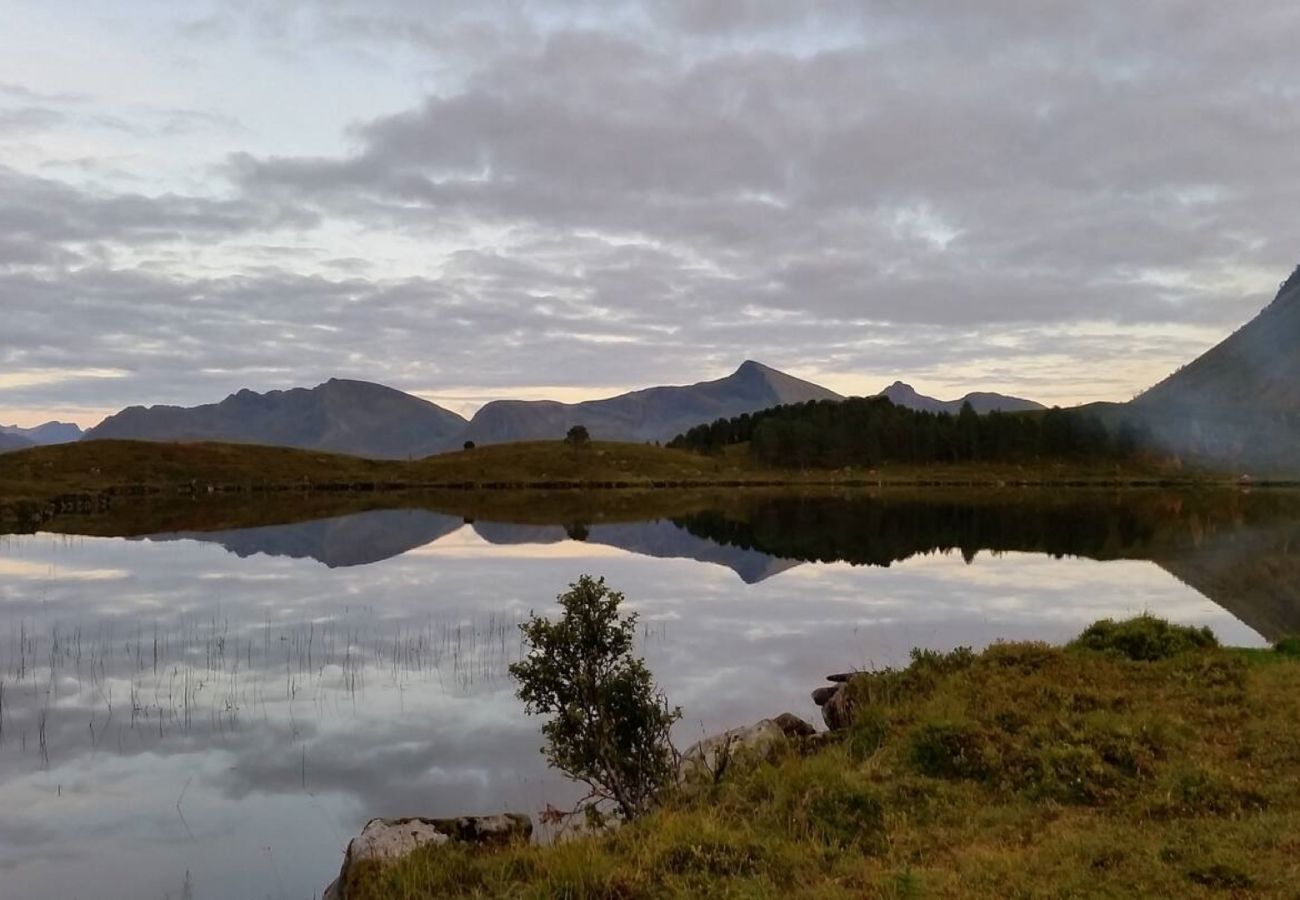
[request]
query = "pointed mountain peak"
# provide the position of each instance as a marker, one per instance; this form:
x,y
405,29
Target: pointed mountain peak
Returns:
x,y
753,367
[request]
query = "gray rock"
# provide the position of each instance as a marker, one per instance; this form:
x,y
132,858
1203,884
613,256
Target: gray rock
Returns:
x,y
841,677
389,840
710,758
793,726
837,711
822,694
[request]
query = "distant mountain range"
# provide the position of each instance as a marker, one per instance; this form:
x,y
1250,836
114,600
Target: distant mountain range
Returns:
x,y
903,394
654,414
10,442
42,435
371,420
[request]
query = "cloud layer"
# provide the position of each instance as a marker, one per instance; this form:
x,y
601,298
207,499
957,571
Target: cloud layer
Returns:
x,y
1062,201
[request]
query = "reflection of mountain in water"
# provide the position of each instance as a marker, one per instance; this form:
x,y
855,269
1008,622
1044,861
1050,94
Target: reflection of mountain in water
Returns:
x,y
355,540
1241,551
661,539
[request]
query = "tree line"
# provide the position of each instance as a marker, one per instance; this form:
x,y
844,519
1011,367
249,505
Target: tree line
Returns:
x,y
869,431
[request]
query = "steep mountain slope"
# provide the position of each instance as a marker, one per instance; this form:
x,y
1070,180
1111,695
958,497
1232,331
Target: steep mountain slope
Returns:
x,y
654,414
1258,366
353,417
11,442
47,434
903,394
1240,401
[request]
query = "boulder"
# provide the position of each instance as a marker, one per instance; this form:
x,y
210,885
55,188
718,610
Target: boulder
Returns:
x,y
793,726
837,711
822,694
709,759
388,840
841,678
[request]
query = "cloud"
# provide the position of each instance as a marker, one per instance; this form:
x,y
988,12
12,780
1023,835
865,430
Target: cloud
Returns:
x,y
1065,201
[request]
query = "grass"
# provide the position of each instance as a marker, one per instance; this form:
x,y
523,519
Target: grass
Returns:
x,y
90,476
1023,771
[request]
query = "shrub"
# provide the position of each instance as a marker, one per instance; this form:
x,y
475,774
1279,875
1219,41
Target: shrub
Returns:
x,y
1143,638
951,750
1288,646
609,725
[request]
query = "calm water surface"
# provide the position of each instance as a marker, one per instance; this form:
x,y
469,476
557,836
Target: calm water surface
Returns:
x,y
213,715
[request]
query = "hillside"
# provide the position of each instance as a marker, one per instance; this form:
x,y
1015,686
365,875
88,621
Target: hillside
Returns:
x,y
49,433
653,414
354,417
1240,401
10,442
902,394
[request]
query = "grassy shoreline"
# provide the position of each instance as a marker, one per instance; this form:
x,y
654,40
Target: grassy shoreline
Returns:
x,y
39,484
1110,770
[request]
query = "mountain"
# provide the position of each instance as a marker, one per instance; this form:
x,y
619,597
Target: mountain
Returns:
x,y
1240,401
903,394
653,414
49,433
340,416
340,542
10,442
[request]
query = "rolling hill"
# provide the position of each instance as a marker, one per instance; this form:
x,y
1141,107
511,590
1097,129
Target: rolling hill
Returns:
x,y
653,414
353,417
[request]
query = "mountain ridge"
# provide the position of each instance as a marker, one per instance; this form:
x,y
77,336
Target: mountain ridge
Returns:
x,y
900,393
47,433
339,415
649,414
367,419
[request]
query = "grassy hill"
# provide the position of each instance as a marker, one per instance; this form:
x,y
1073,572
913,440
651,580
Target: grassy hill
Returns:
x,y
1138,762
89,476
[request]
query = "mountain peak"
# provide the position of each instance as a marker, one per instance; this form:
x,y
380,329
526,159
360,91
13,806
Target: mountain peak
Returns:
x,y
753,367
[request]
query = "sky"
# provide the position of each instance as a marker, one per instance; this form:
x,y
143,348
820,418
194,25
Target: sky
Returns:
x,y
504,198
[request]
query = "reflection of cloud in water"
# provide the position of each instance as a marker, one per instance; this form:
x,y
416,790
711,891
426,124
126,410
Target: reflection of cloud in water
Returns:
x,y
290,701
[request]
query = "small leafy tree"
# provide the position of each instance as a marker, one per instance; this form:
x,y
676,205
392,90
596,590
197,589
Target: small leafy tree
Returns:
x,y
578,436
609,724
470,445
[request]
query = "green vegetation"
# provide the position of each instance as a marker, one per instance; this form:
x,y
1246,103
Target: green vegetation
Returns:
x,y
609,726
1022,771
90,476
872,431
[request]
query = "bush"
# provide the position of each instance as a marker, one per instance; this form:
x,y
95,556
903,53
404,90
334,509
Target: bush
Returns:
x,y
951,750
1288,646
609,725
1144,638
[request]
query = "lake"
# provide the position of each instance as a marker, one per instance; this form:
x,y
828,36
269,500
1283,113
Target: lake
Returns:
x,y
201,709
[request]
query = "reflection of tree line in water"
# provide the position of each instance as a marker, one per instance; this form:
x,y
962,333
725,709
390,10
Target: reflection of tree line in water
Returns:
x,y
873,530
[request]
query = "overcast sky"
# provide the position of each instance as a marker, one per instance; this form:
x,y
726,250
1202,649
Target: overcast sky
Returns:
x,y
1062,200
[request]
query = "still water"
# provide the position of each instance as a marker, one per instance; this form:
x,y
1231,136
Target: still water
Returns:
x,y
212,714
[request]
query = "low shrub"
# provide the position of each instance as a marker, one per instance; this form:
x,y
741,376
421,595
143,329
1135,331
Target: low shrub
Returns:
x,y
951,749
1144,638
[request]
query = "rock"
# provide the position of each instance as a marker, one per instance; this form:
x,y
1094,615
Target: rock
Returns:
x,y
709,759
793,726
841,678
389,840
837,711
822,694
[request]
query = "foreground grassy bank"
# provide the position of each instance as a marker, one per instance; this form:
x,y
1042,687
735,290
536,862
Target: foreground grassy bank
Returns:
x,y
1139,762
87,476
